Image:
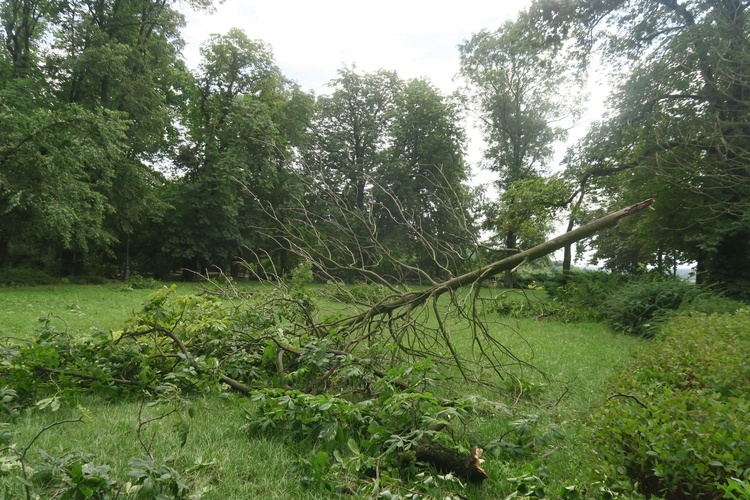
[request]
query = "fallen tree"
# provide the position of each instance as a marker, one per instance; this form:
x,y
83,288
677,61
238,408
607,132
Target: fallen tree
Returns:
x,y
397,317
515,261
359,375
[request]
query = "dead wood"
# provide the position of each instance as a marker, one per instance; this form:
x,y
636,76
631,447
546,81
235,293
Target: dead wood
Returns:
x,y
466,467
415,299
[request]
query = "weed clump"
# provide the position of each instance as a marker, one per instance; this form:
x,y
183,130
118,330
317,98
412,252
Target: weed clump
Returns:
x,y
641,307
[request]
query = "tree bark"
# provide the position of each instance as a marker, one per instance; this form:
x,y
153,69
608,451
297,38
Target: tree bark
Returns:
x,y
467,467
510,243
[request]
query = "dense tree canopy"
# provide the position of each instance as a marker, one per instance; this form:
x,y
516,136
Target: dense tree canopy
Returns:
x,y
386,163
677,128
242,118
108,142
514,82
88,102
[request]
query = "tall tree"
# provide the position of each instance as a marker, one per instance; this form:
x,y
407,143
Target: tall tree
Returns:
x,y
102,66
424,181
24,23
124,55
678,127
54,166
56,160
346,151
513,82
392,152
243,119
351,130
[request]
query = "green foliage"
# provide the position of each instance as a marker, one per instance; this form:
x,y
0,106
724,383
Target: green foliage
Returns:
x,y
60,165
530,483
386,178
670,130
363,436
514,84
535,304
637,305
258,324
736,489
138,282
676,423
528,208
640,307
8,409
523,437
549,279
586,291
72,476
151,479
242,119
75,475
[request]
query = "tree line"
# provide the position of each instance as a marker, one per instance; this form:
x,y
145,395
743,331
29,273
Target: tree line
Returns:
x,y
112,150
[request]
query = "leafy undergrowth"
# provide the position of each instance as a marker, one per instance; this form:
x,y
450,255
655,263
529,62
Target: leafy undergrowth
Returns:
x,y
676,425
196,396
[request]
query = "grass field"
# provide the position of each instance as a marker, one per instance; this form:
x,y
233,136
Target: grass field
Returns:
x,y
77,308
223,462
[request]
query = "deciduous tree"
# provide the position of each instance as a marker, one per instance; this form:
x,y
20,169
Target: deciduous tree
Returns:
x,y
677,129
392,152
244,118
513,84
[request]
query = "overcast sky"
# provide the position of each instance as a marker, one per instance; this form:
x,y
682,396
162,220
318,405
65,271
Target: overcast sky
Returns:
x,y
313,39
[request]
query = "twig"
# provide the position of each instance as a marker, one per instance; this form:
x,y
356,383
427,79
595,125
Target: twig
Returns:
x,y
22,456
618,395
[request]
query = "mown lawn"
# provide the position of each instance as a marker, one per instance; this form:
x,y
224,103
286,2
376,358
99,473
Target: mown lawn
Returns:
x,y
77,308
220,460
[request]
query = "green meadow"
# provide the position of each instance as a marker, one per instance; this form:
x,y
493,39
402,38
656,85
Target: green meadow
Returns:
x,y
217,458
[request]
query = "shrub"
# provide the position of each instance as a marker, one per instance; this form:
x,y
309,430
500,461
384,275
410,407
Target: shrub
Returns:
x,y
548,280
641,307
517,305
138,282
87,279
575,297
676,424
25,277
585,291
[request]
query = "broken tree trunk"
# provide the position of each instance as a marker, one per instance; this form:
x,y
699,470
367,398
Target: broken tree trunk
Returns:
x,y
466,467
414,299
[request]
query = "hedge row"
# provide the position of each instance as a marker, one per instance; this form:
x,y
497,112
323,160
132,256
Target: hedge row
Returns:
x,y
676,423
636,305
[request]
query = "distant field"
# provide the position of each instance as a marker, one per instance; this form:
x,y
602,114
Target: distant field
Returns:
x,y
77,308
576,357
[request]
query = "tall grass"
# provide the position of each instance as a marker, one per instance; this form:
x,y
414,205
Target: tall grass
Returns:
x,y
573,360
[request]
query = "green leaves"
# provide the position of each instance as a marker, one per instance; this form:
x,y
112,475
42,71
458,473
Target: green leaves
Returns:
x,y
360,435
680,85
57,167
677,421
242,117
